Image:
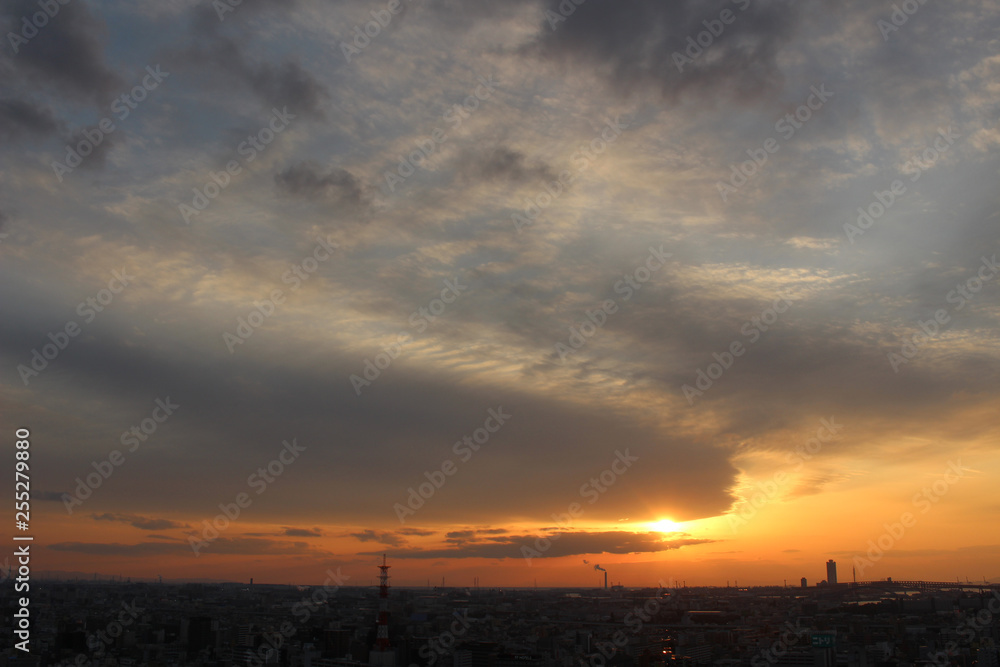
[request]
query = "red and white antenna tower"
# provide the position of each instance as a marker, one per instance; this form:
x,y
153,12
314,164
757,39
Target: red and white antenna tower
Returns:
x,y
382,638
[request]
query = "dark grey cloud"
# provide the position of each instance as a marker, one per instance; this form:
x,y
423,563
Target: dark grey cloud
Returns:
x,y
98,156
287,84
812,353
138,521
254,546
630,43
209,17
119,549
66,56
460,535
308,179
221,545
21,116
302,532
244,405
47,496
382,537
281,84
460,15
59,69
561,544
501,164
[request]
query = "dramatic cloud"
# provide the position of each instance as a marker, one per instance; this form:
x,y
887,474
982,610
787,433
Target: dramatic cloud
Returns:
x,y
460,534
220,546
380,537
47,496
141,522
116,549
306,180
65,54
502,164
286,84
19,117
558,545
632,44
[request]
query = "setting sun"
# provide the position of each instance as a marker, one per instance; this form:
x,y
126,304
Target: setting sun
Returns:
x,y
665,526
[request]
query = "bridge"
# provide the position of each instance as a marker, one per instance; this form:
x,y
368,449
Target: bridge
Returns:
x,y
920,585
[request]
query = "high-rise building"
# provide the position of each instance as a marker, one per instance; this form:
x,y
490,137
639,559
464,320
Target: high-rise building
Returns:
x,y
244,634
805,583
831,572
201,633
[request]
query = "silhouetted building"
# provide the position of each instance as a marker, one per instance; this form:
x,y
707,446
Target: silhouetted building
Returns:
x,y
831,572
200,634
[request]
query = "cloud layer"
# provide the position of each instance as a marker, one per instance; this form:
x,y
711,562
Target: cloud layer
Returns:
x,y
623,241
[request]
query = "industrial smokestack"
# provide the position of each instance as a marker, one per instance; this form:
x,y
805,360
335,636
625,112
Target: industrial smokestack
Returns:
x,y
601,569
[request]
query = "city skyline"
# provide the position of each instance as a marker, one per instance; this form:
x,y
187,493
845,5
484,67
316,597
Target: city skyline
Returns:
x,y
333,626
888,583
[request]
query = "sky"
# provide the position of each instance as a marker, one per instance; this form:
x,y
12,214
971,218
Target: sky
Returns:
x,y
698,292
